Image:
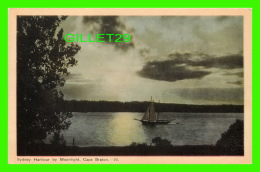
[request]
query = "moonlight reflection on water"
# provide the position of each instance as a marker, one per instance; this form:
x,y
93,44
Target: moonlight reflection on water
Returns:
x,y
120,128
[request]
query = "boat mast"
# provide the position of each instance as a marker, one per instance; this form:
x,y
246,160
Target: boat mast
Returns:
x,y
152,114
157,116
149,117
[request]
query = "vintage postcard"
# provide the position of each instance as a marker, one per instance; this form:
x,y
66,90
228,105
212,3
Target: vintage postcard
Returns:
x,y
130,86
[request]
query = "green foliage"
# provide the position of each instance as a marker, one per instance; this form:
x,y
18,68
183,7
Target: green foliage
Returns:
x,y
42,60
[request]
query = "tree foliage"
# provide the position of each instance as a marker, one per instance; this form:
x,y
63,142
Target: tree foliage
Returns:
x,y
232,140
43,57
58,140
158,141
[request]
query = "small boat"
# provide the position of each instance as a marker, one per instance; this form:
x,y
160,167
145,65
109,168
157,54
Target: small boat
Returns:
x,y
151,117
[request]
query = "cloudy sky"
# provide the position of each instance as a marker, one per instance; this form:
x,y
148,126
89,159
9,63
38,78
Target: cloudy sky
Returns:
x,y
175,59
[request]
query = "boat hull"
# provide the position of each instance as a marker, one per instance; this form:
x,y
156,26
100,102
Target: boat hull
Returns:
x,y
156,122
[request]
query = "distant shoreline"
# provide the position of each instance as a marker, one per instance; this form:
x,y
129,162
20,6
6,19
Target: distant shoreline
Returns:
x,y
114,106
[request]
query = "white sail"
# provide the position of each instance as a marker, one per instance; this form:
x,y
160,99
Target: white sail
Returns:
x,y
152,114
146,115
150,117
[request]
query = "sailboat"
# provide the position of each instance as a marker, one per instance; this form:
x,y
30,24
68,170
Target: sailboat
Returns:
x,y
151,117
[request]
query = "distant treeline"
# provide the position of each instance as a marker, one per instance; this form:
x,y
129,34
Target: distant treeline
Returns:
x,y
115,106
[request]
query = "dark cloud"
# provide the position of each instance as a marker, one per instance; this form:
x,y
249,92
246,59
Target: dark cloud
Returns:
x,y
187,56
234,95
110,25
169,71
224,62
239,74
185,66
207,61
236,83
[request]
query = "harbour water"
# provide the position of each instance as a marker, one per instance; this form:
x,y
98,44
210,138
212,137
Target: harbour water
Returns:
x,y
120,128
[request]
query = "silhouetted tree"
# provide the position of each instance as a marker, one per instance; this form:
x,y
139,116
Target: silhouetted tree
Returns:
x,y
158,141
42,60
134,144
58,139
232,140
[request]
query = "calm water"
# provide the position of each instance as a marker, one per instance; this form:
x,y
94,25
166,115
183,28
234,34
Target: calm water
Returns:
x,y
120,128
